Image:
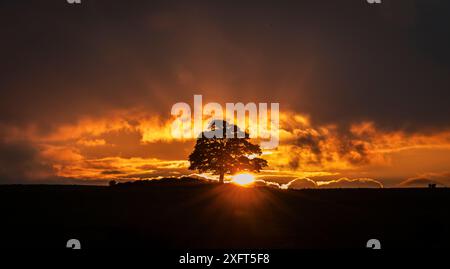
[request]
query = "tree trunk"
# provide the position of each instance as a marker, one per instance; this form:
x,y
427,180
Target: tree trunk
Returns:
x,y
221,177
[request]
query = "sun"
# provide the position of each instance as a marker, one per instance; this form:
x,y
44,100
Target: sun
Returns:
x,y
243,179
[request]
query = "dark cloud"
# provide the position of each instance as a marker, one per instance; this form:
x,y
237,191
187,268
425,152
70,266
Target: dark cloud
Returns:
x,y
311,141
294,162
340,62
351,147
355,152
20,163
111,172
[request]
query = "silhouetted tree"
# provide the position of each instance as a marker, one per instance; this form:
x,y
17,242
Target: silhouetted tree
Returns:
x,y
112,183
225,154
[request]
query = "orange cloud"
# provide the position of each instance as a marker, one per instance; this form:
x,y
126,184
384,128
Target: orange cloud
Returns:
x,y
135,144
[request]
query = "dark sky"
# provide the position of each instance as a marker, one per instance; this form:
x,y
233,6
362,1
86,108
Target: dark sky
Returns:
x,y
340,62
337,60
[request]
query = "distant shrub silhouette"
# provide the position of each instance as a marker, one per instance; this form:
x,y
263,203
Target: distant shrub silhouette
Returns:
x,y
226,154
183,181
112,183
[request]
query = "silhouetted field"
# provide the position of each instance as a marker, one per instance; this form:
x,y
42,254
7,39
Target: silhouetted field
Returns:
x,y
193,215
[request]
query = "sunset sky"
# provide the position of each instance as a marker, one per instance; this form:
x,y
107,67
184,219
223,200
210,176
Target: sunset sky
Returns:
x,y
364,90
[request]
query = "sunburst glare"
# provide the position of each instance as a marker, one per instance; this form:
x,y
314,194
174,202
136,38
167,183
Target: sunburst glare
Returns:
x,y
243,179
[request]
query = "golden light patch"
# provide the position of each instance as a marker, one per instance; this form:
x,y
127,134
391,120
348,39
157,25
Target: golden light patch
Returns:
x,y
243,179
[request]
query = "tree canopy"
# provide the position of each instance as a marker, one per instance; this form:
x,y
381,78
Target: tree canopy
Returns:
x,y
225,149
